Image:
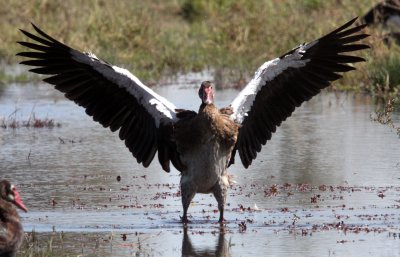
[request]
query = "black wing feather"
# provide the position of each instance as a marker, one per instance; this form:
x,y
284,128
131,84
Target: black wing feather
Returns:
x,y
278,98
107,102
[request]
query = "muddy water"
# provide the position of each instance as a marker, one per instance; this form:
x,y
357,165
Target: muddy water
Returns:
x,y
327,184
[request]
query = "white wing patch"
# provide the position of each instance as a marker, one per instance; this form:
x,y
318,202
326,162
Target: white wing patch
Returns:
x,y
157,106
242,104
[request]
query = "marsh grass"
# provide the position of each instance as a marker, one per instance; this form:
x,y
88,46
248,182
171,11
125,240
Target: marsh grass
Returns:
x,y
46,245
384,116
69,244
383,70
12,122
31,123
230,38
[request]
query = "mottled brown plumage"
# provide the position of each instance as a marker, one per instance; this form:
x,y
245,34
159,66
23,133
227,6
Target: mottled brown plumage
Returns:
x,y
205,142
11,232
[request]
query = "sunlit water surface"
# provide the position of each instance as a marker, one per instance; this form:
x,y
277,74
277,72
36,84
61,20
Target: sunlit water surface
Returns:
x,y
327,184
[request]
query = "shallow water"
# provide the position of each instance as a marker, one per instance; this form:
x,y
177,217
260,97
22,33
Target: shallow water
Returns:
x,y
327,184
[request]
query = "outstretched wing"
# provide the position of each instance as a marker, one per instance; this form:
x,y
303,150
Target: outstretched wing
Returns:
x,y
282,84
111,95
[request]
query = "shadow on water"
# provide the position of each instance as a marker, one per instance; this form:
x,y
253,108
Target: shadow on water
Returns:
x,y
221,249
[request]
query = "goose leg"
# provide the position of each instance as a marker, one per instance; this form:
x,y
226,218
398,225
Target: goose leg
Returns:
x,y
188,192
220,192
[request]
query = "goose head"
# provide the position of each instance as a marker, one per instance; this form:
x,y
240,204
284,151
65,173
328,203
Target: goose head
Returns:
x,y
9,193
206,92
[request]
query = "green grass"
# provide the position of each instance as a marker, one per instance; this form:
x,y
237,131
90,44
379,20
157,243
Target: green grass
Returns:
x,y
156,39
384,72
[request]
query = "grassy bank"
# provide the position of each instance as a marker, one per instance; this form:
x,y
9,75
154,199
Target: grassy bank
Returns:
x,y
160,38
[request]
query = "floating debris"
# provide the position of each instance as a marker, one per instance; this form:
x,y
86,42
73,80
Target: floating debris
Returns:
x,y
124,237
72,141
256,207
242,227
314,198
272,191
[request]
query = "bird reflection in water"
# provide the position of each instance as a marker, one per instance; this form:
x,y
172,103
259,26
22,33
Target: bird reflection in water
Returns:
x,y
189,250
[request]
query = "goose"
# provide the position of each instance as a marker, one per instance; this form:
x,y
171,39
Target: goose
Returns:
x,y
11,232
386,13
200,145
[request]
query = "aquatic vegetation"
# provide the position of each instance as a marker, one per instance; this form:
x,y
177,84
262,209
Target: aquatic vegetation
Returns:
x,y
384,116
82,244
11,122
31,123
383,66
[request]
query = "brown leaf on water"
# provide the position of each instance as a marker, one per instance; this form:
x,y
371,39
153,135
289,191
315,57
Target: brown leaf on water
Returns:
x,y
242,227
314,199
272,191
53,202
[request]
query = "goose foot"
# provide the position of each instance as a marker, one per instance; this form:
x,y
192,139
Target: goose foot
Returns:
x,y
184,219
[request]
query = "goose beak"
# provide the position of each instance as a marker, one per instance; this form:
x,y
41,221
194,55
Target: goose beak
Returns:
x,y
208,96
18,202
